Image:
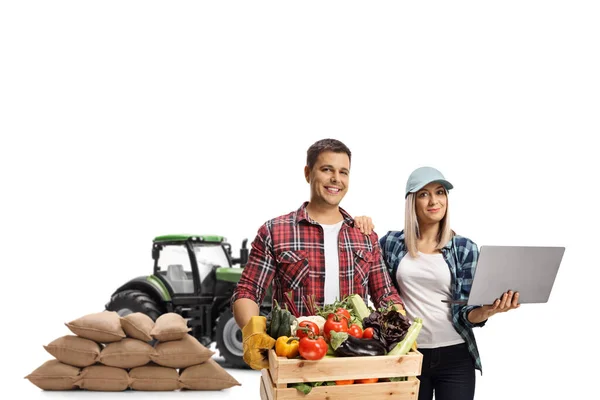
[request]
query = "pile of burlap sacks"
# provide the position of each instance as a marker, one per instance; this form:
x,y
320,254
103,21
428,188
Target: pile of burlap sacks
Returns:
x,y
113,353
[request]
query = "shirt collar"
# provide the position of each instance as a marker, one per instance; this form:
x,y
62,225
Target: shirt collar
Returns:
x,y
302,214
448,245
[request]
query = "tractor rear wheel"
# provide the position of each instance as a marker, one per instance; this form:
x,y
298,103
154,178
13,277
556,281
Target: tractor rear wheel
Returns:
x,y
229,340
131,301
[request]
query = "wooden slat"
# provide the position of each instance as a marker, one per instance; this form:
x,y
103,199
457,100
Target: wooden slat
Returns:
x,y
274,362
268,384
397,390
284,370
263,392
407,390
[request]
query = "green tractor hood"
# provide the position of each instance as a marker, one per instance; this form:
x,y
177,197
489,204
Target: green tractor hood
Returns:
x,y
229,274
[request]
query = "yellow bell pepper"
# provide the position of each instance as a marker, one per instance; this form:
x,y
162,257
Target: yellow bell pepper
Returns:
x,y
287,347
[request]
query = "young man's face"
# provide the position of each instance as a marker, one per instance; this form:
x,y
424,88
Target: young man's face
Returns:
x,y
329,178
431,203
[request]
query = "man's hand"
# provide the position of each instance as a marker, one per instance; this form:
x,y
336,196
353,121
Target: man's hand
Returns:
x,y
399,308
256,343
364,224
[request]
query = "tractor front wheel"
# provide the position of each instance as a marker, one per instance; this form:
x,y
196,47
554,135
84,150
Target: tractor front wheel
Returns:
x,y
229,340
131,301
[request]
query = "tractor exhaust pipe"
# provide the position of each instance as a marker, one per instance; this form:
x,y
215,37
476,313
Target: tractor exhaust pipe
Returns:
x,y
243,260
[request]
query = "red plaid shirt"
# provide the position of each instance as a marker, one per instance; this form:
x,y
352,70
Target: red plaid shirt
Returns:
x,y
289,252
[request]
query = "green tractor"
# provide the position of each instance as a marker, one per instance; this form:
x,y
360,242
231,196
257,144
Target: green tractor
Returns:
x,y
194,277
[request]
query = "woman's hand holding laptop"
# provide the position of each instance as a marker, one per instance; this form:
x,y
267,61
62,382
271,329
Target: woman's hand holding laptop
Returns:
x,y
508,301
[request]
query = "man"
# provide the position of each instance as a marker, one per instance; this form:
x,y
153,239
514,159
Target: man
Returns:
x,y
315,250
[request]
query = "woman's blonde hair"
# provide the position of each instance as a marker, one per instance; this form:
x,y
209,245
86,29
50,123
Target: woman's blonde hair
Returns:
x,y
411,226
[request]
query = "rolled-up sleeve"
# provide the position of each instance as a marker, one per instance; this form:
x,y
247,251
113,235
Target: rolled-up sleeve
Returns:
x,y
259,271
381,288
468,265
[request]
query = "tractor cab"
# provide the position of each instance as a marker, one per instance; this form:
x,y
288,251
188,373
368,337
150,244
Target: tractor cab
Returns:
x,y
191,265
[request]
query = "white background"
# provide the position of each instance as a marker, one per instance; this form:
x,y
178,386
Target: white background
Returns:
x,y
121,121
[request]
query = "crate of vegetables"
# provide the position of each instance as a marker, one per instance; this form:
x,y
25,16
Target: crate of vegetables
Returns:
x,y
333,355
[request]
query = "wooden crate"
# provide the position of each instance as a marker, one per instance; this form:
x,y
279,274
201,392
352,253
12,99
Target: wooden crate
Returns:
x,y
283,371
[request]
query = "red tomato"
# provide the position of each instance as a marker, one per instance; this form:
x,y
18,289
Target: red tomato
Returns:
x,y
355,331
368,333
307,326
335,322
312,348
344,312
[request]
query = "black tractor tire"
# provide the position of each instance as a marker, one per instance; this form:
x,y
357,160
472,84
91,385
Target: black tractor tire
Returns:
x,y
131,301
229,340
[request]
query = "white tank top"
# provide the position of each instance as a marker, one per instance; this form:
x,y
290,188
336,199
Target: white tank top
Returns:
x,y
424,282
332,262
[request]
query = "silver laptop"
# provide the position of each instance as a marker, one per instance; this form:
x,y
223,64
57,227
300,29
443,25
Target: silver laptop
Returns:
x,y
531,271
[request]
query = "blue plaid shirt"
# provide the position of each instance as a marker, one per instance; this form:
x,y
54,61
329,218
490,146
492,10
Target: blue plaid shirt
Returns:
x,y
461,255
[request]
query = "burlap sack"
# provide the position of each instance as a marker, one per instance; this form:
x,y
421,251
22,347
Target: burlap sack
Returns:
x,y
103,378
54,375
181,353
102,327
74,350
137,326
169,326
206,376
127,353
154,377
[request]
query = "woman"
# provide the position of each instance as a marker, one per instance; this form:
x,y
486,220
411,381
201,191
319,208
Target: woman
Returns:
x,y
429,263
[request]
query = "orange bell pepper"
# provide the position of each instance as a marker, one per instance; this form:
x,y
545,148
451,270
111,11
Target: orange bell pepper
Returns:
x,y
287,347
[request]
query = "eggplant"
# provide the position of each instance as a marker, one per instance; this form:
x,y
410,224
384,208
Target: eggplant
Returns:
x,y
355,347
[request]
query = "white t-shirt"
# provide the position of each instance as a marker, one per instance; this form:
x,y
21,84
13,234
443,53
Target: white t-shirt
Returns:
x,y
424,282
332,261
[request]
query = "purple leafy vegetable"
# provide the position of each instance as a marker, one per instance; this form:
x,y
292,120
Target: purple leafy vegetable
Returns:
x,y
389,327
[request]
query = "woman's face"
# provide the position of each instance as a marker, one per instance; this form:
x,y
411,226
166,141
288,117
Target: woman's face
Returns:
x,y
431,203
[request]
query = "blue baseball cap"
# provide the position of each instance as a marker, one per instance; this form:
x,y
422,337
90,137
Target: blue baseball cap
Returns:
x,y
422,177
